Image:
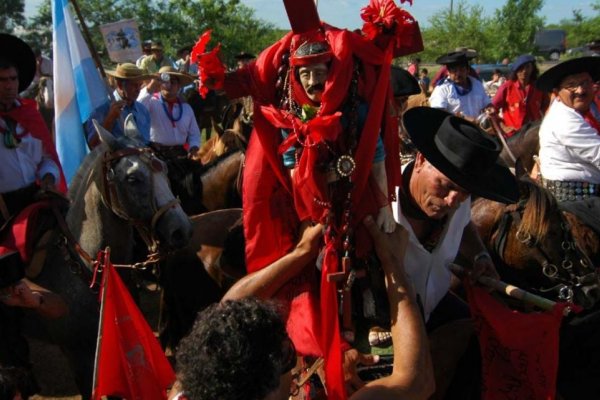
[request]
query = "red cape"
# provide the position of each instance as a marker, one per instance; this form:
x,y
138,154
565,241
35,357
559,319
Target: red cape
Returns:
x,y
28,116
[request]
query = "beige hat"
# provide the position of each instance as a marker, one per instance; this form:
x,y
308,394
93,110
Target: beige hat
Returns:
x,y
184,79
127,71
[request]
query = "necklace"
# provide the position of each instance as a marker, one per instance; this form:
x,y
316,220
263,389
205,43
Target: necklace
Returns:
x,y
171,117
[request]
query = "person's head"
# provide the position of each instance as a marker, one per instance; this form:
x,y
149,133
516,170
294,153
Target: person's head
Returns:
x,y
505,61
243,59
457,64
524,69
172,81
455,159
311,67
147,47
416,61
496,75
157,51
183,52
572,81
237,350
424,72
17,68
403,86
128,81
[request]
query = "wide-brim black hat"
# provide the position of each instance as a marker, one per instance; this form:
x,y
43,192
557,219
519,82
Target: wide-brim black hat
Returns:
x,y
403,83
244,56
455,57
461,151
552,78
19,53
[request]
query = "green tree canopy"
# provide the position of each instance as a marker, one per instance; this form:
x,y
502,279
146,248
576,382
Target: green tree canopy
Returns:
x,y
11,15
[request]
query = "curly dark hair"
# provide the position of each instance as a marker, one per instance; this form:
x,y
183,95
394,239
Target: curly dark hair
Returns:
x,y
235,351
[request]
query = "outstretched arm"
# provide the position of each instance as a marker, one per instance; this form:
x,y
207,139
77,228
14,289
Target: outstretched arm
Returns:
x,y
412,376
27,294
267,281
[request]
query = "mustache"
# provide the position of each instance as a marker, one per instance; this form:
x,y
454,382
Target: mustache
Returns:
x,y
319,86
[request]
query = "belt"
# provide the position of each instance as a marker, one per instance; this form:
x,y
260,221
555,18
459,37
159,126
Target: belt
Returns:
x,y
571,190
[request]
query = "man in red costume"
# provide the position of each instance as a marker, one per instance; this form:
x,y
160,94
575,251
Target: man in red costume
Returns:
x,y
334,155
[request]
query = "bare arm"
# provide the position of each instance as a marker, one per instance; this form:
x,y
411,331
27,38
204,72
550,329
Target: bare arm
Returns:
x,y
412,376
27,294
267,281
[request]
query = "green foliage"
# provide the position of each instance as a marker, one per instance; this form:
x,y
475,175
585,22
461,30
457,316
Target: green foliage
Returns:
x,y
39,28
11,15
581,29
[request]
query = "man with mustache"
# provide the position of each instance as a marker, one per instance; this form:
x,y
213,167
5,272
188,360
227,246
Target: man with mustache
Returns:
x,y
570,138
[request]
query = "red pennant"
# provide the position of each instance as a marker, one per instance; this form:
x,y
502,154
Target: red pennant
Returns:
x,y
519,351
130,363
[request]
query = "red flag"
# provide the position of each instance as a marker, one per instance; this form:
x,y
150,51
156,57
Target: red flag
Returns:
x,y
130,362
519,351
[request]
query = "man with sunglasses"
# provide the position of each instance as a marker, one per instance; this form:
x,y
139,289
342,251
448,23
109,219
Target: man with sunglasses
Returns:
x,y
570,138
128,80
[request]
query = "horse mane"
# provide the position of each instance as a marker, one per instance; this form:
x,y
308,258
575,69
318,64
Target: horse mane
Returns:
x,y
207,168
536,209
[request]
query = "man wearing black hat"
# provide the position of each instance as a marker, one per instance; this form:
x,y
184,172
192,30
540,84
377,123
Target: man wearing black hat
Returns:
x,y
570,137
244,58
455,160
459,93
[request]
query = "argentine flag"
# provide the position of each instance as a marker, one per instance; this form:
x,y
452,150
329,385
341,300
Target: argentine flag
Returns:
x,y
78,88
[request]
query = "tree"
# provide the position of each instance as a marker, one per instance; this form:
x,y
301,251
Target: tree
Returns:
x,y
11,15
39,28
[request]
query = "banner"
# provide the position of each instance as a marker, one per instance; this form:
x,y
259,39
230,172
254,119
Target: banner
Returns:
x,y
519,351
129,360
122,40
78,88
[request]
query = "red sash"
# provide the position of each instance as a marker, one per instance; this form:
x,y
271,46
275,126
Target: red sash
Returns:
x,y
590,119
523,105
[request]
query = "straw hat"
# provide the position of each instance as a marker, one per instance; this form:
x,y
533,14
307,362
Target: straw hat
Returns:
x,y
127,71
184,79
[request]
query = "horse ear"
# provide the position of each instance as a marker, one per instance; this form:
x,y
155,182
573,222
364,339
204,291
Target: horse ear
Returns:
x,y
105,136
131,129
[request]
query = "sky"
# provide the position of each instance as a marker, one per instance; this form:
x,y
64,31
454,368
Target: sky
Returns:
x,y
346,13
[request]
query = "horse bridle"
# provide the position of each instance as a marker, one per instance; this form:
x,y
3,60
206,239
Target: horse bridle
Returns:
x,y
109,193
555,272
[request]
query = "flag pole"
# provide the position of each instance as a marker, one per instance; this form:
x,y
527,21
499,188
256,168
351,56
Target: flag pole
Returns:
x,y
88,38
100,320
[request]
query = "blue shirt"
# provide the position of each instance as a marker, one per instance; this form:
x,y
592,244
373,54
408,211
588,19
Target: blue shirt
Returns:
x,y
140,115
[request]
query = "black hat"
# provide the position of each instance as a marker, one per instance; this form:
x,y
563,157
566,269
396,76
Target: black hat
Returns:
x,y
244,56
19,53
551,78
403,83
455,57
461,151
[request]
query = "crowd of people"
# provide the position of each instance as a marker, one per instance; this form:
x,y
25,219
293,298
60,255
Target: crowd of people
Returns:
x,y
325,200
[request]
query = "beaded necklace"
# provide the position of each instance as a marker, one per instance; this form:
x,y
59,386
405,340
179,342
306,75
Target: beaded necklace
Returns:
x,y
169,114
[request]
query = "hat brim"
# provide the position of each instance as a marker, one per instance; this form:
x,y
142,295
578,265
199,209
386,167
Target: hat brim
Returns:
x,y
552,77
184,79
498,183
19,53
115,74
212,228
403,83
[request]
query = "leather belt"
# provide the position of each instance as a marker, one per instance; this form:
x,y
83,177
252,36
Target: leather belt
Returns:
x,y
571,190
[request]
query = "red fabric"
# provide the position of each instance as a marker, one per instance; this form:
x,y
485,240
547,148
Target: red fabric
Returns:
x,y
519,351
519,105
131,363
270,216
209,64
590,119
28,116
19,236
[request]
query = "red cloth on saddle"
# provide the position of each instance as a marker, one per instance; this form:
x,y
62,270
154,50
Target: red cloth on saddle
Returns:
x,y
519,351
274,206
519,105
131,363
28,116
19,236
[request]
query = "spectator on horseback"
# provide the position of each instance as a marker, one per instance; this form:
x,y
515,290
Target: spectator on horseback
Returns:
x,y
173,124
152,63
128,80
570,138
29,164
518,99
454,161
252,332
459,93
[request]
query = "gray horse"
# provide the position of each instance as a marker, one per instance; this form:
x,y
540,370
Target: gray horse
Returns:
x,y
120,185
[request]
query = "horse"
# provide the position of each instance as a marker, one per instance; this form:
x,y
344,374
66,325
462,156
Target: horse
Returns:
x,y
120,186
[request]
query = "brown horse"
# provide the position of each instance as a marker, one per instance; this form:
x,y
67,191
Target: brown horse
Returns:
x,y
539,247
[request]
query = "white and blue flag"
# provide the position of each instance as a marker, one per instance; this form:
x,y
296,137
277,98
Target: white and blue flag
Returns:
x,y
78,88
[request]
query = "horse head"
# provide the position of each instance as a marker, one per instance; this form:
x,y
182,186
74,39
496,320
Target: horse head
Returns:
x,y
135,187
535,242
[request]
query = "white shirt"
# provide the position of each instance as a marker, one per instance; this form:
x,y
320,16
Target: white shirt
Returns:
x,y
167,132
428,271
25,163
446,97
569,146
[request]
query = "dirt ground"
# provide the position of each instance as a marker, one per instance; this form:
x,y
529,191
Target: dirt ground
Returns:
x,y
50,366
